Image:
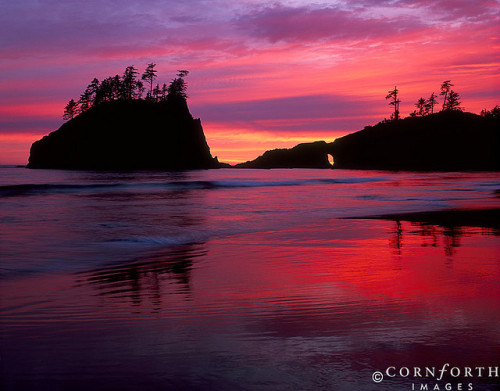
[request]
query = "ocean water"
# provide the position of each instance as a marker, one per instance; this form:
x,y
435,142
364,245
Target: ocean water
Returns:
x,y
245,280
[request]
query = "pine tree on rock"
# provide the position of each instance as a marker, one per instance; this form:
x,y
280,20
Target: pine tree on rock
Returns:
x,y
149,75
430,103
393,94
70,110
453,102
445,88
420,105
178,87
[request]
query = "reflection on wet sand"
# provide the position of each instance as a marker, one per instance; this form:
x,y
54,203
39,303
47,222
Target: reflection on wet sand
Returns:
x,y
311,307
451,225
396,242
146,278
431,236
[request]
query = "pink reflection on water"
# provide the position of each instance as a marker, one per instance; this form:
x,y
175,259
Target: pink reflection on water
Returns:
x,y
344,295
294,290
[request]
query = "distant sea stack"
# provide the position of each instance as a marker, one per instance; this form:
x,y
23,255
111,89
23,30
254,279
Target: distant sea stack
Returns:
x,y
450,140
128,134
306,155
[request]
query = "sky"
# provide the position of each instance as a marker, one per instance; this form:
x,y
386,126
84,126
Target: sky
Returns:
x,y
263,74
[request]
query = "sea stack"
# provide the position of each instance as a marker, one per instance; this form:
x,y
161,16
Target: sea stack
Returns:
x,y
305,155
450,140
127,135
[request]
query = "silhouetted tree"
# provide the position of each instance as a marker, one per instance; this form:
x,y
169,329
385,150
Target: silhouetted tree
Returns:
x,y
453,102
128,87
140,89
393,94
70,110
429,105
164,91
149,75
100,94
420,105
92,90
178,87
107,91
85,101
156,93
117,87
129,83
494,113
445,88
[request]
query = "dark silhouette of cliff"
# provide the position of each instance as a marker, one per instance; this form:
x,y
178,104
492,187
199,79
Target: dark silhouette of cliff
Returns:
x,y
127,134
307,155
450,140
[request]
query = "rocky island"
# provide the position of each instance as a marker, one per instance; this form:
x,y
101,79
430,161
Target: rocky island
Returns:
x,y
449,140
305,155
123,135
112,128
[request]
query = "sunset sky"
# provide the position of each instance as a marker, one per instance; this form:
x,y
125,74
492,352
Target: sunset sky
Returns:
x,y
263,74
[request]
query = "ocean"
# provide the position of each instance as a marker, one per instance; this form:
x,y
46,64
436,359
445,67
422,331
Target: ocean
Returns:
x,y
240,279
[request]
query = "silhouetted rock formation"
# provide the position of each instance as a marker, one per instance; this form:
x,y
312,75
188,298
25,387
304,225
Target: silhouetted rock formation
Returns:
x,y
134,134
445,141
307,155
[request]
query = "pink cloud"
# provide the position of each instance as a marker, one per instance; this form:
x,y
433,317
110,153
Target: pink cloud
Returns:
x,y
448,10
281,23
444,10
299,114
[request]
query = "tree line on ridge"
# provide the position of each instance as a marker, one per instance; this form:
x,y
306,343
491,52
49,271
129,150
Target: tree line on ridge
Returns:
x,y
451,101
128,86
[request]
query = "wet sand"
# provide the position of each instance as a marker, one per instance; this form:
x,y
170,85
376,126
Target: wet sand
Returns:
x,y
487,218
312,307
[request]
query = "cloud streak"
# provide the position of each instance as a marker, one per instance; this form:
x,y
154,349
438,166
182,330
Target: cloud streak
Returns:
x,y
305,24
